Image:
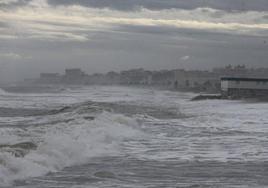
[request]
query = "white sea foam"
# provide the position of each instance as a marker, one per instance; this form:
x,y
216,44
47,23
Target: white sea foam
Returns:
x,y
216,130
69,144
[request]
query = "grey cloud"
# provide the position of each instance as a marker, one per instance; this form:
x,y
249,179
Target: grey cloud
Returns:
x,y
117,51
13,3
55,23
188,34
229,5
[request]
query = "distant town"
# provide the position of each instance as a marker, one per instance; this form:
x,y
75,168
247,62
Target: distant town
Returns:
x,y
229,82
178,79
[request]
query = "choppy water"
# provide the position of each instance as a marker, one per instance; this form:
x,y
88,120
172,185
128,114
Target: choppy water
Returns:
x,y
129,137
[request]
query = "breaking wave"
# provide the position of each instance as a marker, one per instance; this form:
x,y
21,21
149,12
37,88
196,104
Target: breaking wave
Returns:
x,y
48,140
121,108
52,148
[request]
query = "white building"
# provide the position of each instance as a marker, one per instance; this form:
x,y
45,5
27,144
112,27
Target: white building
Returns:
x,y
244,87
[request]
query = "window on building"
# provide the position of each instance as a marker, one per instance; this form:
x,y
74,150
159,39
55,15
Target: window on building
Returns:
x,y
237,82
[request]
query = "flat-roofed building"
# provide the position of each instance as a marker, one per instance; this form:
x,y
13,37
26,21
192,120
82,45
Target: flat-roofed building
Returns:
x,y
74,76
74,72
244,87
49,78
196,80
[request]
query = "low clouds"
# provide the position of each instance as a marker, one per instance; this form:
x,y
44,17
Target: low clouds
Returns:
x,y
40,20
13,56
6,2
133,5
12,3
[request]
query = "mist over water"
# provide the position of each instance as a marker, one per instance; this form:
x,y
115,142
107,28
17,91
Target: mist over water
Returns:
x,y
130,137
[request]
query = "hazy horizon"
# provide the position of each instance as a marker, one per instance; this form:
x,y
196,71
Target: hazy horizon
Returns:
x,y
100,36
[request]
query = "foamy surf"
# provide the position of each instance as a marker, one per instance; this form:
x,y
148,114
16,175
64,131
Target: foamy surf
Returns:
x,y
67,144
125,137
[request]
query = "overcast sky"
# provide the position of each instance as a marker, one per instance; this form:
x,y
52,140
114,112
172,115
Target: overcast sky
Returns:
x,y
102,35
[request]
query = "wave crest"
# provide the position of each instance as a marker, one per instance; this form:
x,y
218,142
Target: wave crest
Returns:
x,y
66,144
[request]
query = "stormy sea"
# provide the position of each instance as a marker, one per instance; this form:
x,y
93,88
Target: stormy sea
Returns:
x,y
104,136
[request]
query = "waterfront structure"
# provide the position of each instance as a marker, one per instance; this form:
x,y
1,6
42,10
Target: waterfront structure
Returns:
x,y
74,72
196,80
49,78
178,79
112,78
244,87
74,76
164,78
135,77
240,71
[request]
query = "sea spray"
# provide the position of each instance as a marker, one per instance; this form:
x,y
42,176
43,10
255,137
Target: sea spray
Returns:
x,y
67,144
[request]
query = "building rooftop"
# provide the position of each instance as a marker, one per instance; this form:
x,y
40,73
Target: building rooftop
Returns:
x,y
244,79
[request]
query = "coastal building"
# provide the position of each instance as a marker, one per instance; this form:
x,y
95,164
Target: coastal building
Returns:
x,y
244,87
241,71
96,79
135,77
231,71
112,78
49,78
74,72
164,78
74,76
196,80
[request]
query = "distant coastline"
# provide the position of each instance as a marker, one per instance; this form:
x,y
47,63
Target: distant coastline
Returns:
x,y
176,79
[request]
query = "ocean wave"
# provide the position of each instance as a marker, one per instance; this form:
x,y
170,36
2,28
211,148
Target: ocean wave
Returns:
x,y
65,144
18,149
22,112
32,89
79,108
122,108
